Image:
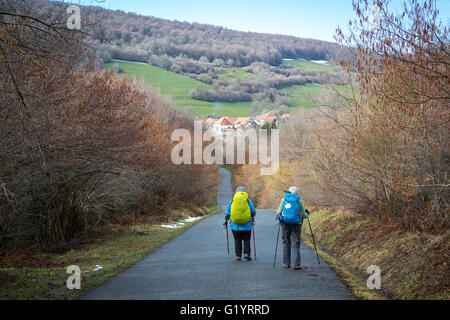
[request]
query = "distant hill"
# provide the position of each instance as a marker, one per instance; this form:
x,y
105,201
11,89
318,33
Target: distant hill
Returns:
x,y
129,36
177,86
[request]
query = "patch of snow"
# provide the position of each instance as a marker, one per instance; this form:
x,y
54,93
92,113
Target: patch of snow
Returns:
x,y
172,226
190,219
97,267
320,61
179,223
295,59
129,61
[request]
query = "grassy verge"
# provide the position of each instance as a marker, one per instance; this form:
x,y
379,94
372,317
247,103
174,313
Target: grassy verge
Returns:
x,y
43,275
413,265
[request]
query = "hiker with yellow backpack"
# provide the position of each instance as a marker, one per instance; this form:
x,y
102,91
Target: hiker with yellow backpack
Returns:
x,y
241,212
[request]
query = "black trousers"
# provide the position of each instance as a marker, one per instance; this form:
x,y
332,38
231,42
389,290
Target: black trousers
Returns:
x,y
240,236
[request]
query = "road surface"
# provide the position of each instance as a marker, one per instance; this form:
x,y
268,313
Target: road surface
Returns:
x,y
195,265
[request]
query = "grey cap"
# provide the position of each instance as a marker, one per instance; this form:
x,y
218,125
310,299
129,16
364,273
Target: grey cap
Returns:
x,y
293,190
240,189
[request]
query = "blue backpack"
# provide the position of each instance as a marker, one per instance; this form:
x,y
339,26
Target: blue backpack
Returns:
x,y
291,209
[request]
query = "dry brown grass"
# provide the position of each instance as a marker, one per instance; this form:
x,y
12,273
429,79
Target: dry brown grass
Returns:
x,y
413,265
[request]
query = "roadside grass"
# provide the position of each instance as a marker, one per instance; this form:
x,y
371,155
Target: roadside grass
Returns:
x,y
413,265
41,275
178,86
305,65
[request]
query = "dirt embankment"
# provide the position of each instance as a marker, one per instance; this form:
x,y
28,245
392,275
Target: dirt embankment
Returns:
x,y
413,265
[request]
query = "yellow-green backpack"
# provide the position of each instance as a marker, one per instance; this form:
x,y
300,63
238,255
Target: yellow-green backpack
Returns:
x,y
240,210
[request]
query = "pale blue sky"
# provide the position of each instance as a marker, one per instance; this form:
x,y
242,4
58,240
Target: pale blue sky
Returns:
x,y
316,19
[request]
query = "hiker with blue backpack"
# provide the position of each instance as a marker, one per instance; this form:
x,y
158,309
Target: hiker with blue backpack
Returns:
x,y
241,212
290,215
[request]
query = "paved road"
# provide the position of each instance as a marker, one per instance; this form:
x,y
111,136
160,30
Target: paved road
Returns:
x,y
195,265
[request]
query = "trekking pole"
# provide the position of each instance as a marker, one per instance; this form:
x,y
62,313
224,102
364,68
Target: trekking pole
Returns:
x,y
254,243
228,243
314,241
276,247
300,246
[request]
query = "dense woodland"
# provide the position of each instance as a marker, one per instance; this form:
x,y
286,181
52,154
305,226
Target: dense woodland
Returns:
x,y
197,50
129,36
134,37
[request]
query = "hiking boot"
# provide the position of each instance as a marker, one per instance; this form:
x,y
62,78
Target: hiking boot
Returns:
x,y
238,258
297,268
247,256
286,266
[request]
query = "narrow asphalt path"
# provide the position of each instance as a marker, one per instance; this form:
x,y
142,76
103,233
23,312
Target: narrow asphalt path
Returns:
x,y
195,265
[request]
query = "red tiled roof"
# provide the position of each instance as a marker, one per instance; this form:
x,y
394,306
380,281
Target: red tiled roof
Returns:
x,y
225,121
270,118
242,120
209,121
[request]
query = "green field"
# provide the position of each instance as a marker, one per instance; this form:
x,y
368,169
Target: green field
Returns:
x,y
302,96
305,65
306,95
177,87
232,73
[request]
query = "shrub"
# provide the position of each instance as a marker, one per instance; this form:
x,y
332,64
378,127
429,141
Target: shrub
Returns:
x,y
79,145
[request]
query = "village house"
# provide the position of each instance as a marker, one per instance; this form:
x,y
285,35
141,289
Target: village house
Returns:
x,y
225,125
285,117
